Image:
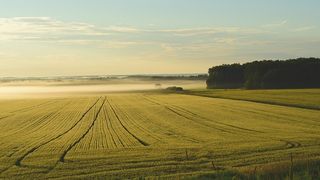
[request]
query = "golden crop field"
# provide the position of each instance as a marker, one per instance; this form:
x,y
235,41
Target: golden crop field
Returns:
x,y
133,135
304,98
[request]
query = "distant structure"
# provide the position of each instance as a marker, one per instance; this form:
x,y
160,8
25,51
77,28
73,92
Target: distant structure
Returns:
x,y
158,86
175,88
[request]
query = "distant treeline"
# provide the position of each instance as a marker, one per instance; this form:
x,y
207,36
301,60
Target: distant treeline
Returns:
x,y
267,74
171,77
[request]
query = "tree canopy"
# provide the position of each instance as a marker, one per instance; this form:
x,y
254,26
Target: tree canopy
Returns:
x,y
267,74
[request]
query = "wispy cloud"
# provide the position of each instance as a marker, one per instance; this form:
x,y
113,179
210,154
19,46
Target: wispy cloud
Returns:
x,y
201,39
203,31
275,25
38,28
302,29
40,25
46,28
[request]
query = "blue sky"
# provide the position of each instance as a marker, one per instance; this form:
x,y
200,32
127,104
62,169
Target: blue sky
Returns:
x,y
79,37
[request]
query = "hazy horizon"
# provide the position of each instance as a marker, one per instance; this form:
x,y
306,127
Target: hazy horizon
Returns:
x,y
98,75
79,38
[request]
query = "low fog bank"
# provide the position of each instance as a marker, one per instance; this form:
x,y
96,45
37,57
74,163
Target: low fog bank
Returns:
x,y
74,89
87,87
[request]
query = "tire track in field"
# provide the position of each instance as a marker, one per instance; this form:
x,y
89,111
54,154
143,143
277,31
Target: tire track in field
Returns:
x,y
124,127
204,118
35,120
19,160
186,117
207,119
12,113
289,144
136,124
38,124
5,117
32,107
62,157
171,132
114,131
103,131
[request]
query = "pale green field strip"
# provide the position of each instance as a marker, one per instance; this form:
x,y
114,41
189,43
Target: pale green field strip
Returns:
x,y
303,98
141,135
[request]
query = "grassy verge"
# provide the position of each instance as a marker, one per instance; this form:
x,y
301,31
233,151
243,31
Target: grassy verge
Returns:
x,y
300,170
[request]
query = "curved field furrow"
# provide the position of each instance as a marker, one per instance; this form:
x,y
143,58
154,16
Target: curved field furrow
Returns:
x,y
111,141
129,135
19,160
32,107
176,108
151,121
62,157
193,120
116,140
38,126
24,122
134,121
124,127
260,135
4,117
220,123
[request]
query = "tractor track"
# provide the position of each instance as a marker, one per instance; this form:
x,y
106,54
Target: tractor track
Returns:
x,y
207,119
136,124
111,128
186,117
288,144
32,107
19,160
198,116
125,128
62,157
4,117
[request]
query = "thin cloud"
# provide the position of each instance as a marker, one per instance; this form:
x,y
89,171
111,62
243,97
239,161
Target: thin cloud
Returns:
x,y
38,28
207,31
303,29
46,29
275,25
41,28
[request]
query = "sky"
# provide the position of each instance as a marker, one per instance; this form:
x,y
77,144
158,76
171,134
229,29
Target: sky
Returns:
x,y
116,37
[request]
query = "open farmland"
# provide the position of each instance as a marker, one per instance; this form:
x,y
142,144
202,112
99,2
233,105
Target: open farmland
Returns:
x,y
304,98
126,135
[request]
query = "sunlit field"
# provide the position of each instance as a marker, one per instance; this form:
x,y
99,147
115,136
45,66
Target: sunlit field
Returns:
x,y
161,89
151,134
304,98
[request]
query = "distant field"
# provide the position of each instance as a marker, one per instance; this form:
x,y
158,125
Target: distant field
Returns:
x,y
127,135
305,98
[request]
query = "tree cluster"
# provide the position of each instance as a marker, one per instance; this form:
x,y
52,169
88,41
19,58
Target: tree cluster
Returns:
x,y
267,74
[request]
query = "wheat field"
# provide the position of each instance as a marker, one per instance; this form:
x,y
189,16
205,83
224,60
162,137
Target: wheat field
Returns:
x,y
133,135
